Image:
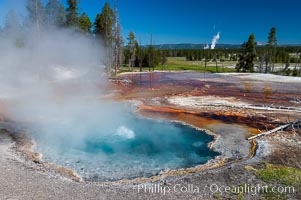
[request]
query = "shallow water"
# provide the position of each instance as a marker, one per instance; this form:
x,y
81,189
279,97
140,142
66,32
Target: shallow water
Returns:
x,y
136,147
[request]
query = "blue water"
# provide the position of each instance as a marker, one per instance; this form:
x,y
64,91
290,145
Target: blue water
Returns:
x,y
135,147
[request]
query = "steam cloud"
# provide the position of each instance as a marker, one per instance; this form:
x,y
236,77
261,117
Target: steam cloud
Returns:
x,y
214,40
51,83
206,46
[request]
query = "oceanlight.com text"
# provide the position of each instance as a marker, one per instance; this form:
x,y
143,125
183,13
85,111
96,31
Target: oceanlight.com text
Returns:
x,y
213,188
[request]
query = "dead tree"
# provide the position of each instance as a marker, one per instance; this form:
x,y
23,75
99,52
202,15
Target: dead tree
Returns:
x,y
117,40
283,127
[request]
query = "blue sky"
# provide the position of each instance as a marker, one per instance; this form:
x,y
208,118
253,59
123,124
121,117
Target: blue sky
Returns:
x,y
196,21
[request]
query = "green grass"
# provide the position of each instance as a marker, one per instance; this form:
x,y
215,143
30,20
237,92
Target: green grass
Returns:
x,y
180,64
183,61
281,174
278,174
211,69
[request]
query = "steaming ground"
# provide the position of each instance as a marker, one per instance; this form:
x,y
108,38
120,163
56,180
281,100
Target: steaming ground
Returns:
x,y
52,82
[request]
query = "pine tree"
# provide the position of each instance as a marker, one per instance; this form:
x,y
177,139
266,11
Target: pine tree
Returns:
x,y
72,13
84,23
140,55
150,53
272,47
104,29
247,55
163,58
251,53
36,14
240,66
103,25
131,49
55,13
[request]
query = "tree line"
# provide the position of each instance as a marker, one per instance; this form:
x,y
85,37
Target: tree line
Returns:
x,y
231,54
53,15
106,29
248,55
267,56
136,55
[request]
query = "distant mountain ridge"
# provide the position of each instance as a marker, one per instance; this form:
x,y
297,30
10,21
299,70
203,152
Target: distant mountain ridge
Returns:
x,y
195,46
201,46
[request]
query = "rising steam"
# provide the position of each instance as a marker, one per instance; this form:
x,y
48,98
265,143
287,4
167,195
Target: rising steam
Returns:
x,y
52,80
214,40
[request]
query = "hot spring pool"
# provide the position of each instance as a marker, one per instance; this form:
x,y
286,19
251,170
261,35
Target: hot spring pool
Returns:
x,y
132,148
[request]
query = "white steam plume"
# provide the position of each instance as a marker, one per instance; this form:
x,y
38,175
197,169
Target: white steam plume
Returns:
x,y
214,40
51,82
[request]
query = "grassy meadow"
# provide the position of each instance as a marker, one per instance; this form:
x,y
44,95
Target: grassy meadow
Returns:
x,y
181,64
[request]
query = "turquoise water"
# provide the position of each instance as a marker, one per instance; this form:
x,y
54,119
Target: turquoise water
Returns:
x,y
126,149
